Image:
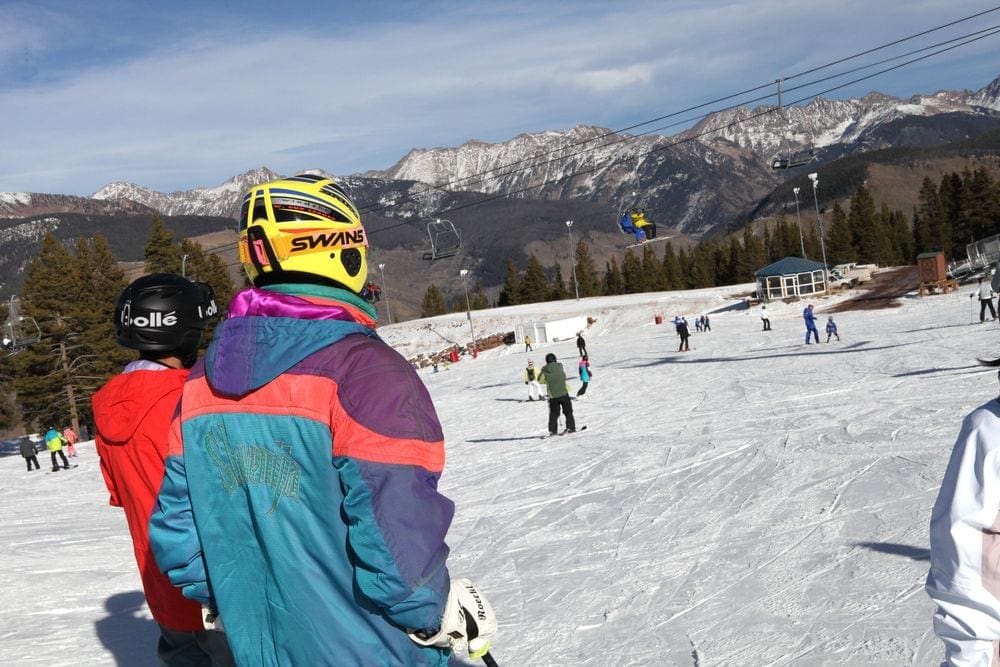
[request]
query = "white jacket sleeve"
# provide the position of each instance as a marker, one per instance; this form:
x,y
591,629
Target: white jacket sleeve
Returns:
x,y
964,577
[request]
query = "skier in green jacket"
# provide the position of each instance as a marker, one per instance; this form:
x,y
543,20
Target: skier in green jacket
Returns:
x,y
554,378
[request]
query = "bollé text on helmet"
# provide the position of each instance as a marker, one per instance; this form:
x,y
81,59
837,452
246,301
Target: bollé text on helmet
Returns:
x,y
345,238
153,319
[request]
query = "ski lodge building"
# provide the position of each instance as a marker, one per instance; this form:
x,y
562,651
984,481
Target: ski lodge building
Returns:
x,y
790,277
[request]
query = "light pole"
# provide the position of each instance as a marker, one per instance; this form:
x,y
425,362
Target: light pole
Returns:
x,y
802,243
814,177
468,307
388,313
572,258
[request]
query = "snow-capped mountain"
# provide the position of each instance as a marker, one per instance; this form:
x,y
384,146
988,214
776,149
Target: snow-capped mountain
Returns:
x,y
697,181
223,200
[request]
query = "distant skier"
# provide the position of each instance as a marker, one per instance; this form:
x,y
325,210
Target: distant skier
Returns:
x,y
581,345
527,344
27,448
71,439
531,379
554,378
684,333
831,329
765,318
810,320
584,370
705,324
985,294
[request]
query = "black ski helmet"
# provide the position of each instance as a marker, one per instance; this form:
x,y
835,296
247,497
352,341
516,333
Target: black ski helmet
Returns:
x,y
164,312
549,358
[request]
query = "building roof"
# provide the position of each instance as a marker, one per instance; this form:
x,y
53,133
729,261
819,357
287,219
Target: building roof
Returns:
x,y
788,266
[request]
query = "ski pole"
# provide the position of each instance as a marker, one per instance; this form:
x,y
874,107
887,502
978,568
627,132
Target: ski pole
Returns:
x,y
488,659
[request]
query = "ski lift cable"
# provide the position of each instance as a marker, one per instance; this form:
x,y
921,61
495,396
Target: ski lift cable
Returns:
x,y
472,178
956,42
699,135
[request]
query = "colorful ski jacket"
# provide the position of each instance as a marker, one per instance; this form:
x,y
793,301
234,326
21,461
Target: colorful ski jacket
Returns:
x,y
132,413
964,577
54,440
584,370
300,497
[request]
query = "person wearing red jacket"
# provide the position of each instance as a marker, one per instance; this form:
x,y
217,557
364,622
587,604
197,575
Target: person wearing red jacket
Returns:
x,y
163,316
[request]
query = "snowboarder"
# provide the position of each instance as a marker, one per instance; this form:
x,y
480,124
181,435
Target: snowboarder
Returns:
x,y
27,448
314,477
705,324
985,294
531,379
54,441
831,329
132,412
965,551
585,375
765,318
554,378
581,345
810,320
684,333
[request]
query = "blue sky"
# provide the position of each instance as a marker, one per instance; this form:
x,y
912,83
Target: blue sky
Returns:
x,y
178,95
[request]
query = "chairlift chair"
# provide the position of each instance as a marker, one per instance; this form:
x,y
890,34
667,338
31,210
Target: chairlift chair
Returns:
x,y
19,331
444,239
786,158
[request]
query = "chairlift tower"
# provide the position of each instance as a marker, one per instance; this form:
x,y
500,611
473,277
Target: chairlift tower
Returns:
x,y
814,177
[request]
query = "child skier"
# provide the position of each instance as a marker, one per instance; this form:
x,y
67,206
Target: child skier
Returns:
x,y
585,375
531,379
831,329
27,448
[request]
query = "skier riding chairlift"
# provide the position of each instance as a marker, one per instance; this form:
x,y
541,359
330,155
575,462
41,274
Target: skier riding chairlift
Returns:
x,y
444,238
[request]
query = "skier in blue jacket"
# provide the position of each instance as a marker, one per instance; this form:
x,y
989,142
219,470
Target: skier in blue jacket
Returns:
x,y
810,320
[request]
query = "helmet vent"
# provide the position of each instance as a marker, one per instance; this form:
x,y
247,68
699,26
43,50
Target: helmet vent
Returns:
x,y
351,259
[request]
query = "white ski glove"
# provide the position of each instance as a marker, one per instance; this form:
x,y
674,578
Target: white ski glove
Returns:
x,y
468,622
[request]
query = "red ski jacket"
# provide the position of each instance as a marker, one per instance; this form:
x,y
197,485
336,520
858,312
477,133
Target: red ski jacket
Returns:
x,y
132,413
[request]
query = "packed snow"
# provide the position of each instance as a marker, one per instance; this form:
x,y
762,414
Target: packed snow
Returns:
x,y
754,501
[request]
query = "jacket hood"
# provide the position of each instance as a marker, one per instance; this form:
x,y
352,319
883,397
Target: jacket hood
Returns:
x,y
123,403
271,330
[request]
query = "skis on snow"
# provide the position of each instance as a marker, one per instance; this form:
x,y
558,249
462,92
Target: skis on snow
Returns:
x,y
564,432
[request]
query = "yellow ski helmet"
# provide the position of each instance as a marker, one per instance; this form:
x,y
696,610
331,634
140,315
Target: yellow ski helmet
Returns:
x,y
302,227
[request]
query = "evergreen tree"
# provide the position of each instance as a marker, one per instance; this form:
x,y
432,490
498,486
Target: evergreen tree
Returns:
x,y
44,381
510,294
929,227
558,289
479,299
433,303
839,238
754,256
534,287
586,271
673,277
902,238
632,278
870,237
201,266
652,269
162,254
613,282
703,265
953,233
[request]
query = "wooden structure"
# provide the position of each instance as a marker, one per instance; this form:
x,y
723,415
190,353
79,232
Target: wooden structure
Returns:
x,y
933,274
